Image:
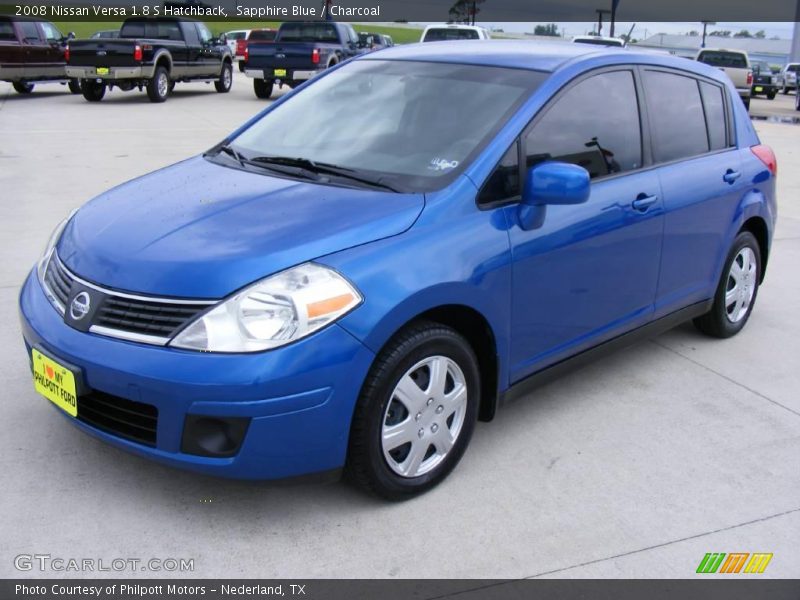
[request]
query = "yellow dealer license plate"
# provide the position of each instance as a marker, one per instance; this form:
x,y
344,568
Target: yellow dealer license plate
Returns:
x,y
102,70
54,382
279,72
759,88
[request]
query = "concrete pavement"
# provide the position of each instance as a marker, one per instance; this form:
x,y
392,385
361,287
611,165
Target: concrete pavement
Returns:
x,y
633,467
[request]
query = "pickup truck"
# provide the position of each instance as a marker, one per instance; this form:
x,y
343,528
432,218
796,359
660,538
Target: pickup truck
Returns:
x,y
300,51
790,73
764,80
32,51
151,54
735,64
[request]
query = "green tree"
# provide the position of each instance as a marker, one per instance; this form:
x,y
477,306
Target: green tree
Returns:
x,y
743,34
551,30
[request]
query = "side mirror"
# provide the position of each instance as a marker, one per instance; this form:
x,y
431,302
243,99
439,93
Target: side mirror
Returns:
x,y
551,182
71,35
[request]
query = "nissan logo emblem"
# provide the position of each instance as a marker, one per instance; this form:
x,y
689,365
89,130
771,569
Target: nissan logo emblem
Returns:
x,y
80,306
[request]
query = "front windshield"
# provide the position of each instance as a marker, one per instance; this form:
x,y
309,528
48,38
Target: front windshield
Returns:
x,y
413,124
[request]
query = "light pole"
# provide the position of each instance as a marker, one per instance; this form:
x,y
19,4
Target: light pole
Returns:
x,y
705,26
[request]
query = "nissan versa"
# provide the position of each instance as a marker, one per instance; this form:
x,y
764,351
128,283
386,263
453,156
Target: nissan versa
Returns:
x,y
384,255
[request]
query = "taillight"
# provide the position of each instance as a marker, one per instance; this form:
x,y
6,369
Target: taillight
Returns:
x,y
767,156
315,56
137,53
66,53
749,78
246,53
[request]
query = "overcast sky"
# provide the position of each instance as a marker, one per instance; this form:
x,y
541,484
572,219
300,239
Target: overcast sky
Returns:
x,y
782,30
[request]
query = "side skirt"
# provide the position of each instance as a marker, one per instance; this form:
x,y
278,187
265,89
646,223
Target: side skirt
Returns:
x,y
548,374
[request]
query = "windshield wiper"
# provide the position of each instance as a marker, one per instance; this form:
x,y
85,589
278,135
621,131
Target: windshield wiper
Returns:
x,y
323,169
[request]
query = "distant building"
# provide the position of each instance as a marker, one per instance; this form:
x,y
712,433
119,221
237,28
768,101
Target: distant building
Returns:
x,y
774,52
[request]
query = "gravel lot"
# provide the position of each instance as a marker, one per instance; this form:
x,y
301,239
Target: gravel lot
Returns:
x,y
633,467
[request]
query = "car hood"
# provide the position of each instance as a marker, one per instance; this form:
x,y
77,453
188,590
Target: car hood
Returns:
x,y
201,230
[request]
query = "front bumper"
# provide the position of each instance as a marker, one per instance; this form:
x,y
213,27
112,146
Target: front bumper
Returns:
x,y
299,399
113,73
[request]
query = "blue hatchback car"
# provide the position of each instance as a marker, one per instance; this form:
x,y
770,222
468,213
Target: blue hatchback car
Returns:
x,y
384,255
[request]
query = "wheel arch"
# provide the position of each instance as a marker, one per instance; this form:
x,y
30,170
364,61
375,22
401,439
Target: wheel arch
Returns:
x,y
163,59
477,330
758,227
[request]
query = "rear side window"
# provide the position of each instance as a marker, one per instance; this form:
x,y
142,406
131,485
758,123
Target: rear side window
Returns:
x,y
714,105
7,31
29,31
595,125
728,60
444,34
676,113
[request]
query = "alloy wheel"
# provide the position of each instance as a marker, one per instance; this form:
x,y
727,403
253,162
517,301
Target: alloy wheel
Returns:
x,y
741,285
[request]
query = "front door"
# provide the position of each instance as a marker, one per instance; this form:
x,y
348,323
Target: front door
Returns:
x,y
589,272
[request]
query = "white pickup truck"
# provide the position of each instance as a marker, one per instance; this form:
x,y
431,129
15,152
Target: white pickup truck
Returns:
x,y
735,64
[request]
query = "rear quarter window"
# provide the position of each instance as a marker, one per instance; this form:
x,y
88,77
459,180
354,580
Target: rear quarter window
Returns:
x,y
714,106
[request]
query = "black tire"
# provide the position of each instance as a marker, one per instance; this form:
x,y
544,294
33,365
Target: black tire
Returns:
x,y
262,89
785,90
22,87
171,87
225,82
158,86
716,322
74,86
771,95
746,102
366,465
93,91
797,101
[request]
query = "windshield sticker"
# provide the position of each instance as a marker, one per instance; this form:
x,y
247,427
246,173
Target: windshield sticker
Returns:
x,y
442,164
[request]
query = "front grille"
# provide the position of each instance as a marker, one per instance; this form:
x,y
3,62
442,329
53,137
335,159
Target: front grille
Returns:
x,y
130,420
59,280
160,319
149,320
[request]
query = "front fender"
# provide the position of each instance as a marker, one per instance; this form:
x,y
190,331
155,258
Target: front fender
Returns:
x,y
454,255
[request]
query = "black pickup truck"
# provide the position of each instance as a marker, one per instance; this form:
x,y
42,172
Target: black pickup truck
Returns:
x,y
300,51
151,54
32,51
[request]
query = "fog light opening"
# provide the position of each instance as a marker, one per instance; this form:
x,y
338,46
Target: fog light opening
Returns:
x,y
213,436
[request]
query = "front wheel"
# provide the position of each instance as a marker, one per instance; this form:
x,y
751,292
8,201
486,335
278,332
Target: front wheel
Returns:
x,y
93,91
23,87
74,86
225,81
416,412
737,289
158,86
262,89
797,100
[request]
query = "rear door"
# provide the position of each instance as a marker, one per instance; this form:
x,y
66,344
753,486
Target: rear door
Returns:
x,y
701,178
589,272
35,49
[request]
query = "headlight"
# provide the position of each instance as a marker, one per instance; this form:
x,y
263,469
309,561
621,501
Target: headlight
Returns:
x,y
275,311
41,267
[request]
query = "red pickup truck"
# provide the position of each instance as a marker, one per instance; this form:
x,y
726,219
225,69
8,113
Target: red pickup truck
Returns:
x,y
32,51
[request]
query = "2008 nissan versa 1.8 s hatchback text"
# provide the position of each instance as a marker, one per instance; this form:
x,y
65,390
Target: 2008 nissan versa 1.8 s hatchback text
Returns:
x,y
380,257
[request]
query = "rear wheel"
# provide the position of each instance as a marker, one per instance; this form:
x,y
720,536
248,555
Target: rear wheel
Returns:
x,y
92,90
158,86
23,87
74,86
746,102
262,89
225,81
416,412
771,95
737,289
797,101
